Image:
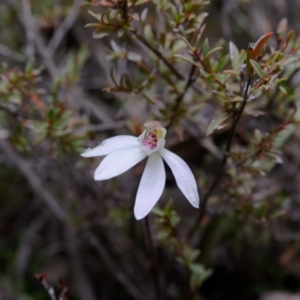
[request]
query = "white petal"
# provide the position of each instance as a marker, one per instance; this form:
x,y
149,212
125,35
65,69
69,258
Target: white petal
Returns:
x,y
112,144
183,176
151,186
118,162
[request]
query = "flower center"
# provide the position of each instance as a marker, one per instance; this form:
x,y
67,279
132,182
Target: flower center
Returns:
x,y
150,139
153,138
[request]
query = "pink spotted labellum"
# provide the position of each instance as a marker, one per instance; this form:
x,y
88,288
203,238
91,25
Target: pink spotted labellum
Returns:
x,y
125,151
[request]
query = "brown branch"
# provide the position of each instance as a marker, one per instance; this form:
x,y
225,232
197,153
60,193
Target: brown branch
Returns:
x,y
226,154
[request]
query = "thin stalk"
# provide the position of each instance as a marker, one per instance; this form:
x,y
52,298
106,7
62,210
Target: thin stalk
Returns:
x,y
158,54
180,97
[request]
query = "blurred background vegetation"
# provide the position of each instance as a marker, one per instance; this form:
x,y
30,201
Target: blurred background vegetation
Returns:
x,y
61,91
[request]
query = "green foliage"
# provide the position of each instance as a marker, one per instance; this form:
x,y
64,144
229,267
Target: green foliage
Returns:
x,y
41,117
167,224
231,109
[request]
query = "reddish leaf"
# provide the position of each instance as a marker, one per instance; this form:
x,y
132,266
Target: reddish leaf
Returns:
x,y
261,42
290,35
41,277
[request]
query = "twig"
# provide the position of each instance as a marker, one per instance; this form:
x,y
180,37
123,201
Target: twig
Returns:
x,y
112,266
84,287
53,70
28,22
98,127
44,194
155,268
187,85
28,240
64,27
33,180
226,154
158,54
33,35
12,54
180,97
44,53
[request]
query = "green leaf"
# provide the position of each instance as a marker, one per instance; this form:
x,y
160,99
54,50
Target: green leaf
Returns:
x,y
188,44
127,81
174,220
199,274
150,99
102,31
205,51
216,124
187,59
234,57
199,35
262,74
112,77
97,16
221,64
212,51
230,72
134,56
290,36
177,46
283,90
148,33
139,2
238,99
91,25
290,60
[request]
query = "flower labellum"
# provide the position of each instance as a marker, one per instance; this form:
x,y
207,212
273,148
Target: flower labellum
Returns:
x,y
124,151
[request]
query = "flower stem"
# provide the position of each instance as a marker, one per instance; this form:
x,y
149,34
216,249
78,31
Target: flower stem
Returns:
x,y
155,269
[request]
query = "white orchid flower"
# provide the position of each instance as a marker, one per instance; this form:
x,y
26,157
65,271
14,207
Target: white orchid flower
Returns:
x,y
125,151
